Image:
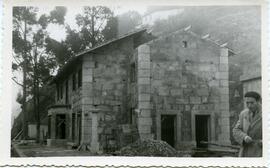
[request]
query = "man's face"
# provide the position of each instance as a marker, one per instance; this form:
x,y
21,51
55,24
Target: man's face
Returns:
x,y
252,104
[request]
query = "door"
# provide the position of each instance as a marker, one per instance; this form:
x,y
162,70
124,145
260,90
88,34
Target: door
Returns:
x,y
61,126
168,129
202,130
79,126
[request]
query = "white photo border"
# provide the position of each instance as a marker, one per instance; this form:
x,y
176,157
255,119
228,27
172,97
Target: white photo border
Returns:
x,y
5,92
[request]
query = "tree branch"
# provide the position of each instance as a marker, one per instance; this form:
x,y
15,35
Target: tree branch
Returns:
x,y
16,59
13,78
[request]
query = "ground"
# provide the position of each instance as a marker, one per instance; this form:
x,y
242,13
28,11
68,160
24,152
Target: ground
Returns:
x,y
39,150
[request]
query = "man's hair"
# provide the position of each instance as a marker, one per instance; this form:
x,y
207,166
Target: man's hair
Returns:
x,y
255,95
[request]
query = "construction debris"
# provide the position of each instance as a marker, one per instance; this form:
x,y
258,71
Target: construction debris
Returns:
x,y
148,148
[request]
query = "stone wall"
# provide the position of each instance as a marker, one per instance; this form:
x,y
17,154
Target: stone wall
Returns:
x,y
75,98
105,90
189,76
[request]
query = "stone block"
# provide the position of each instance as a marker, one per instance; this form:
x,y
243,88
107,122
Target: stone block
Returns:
x,y
143,49
87,100
144,65
144,136
87,78
176,92
223,75
187,107
204,99
143,80
205,68
87,71
224,97
144,73
213,83
144,97
107,86
144,121
144,57
203,91
223,60
224,106
223,83
145,129
163,91
195,100
224,52
224,113
182,101
144,105
144,89
224,67
224,90
146,113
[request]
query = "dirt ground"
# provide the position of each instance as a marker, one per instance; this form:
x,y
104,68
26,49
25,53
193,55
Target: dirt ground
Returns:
x,y
36,150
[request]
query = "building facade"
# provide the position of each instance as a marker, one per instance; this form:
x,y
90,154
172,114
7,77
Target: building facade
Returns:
x,y
172,88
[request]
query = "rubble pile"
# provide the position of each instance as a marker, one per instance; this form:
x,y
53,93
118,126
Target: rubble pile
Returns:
x,y
148,148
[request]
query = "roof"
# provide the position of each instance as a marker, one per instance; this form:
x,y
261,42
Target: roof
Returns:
x,y
78,56
206,38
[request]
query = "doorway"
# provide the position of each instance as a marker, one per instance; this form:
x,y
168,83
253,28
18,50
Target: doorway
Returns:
x,y
168,129
202,126
60,126
79,126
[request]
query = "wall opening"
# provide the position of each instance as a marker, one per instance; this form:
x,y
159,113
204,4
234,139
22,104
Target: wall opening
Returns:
x,y
73,126
60,126
202,126
168,129
67,93
49,126
79,126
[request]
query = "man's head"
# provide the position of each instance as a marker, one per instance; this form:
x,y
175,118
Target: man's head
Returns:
x,y
253,101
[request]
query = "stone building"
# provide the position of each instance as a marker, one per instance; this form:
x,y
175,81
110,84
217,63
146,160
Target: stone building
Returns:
x,y
251,78
172,88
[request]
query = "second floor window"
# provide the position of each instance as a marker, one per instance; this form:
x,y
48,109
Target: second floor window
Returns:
x,y
61,91
74,82
80,78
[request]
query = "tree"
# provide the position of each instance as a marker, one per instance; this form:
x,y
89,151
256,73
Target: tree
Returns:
x,y
96,25
128,21
29,53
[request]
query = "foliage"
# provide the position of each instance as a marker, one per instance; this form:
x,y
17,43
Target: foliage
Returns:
x,y
30,57
128,21
96,24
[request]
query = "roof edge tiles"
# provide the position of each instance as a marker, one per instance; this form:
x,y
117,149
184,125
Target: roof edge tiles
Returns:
x,y
76,58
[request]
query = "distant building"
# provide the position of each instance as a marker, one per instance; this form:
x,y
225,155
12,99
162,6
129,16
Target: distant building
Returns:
x,y
172,88
251,78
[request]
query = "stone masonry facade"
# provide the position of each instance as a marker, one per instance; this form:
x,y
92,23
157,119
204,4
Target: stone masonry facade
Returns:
x,y
129,85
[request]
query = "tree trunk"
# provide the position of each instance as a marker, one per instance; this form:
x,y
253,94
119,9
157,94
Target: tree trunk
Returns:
x,y
36,97
38,113
93,40
24,112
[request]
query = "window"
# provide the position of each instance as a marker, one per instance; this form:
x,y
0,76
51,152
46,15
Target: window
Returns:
x,y
133,73
61,91
67,95
80,78
58,91
74,82
184,44
73,126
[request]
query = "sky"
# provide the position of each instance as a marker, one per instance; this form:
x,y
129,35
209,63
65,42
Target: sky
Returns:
x,y
58,33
